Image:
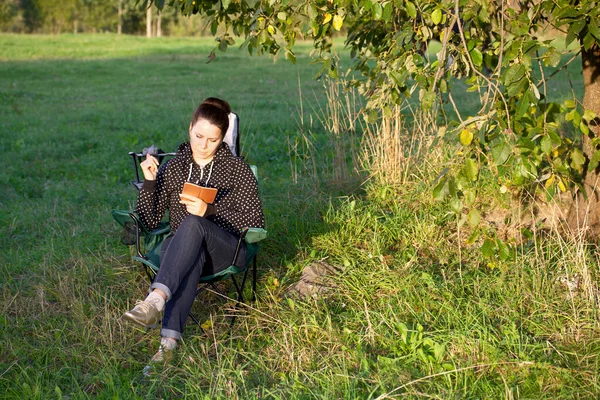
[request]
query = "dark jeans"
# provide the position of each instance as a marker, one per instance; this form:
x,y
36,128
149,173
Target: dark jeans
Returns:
x,y
198,248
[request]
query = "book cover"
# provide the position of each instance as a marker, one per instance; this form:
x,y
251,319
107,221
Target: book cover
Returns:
x,y
205,193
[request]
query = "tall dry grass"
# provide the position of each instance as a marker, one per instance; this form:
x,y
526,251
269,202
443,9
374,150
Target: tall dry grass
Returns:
x,y
400,144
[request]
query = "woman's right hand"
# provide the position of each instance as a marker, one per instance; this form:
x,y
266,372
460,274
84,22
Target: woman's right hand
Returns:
x,y
149,167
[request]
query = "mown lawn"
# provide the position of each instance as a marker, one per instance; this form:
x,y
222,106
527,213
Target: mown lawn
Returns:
x,y
415,311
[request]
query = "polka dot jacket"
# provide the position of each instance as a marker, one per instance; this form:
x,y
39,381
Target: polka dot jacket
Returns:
x,y
236,205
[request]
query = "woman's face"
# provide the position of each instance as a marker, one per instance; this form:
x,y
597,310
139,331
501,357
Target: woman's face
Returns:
x,y
205,140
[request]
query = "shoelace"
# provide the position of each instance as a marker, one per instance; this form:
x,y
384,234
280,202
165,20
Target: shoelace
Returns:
x,y
144,306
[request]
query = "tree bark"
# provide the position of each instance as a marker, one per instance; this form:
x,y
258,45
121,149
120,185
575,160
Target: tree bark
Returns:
x,y
158,25
149,22
584,213
120,18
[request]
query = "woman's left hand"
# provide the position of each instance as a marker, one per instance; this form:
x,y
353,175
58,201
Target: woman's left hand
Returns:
x,y
194,205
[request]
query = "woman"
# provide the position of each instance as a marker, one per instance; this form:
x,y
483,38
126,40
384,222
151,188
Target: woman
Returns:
x,y
203,236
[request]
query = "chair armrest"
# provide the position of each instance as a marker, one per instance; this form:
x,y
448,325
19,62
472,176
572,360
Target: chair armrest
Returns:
x,y
254,235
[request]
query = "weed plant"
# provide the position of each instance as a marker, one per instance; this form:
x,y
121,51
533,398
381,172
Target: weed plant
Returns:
x,y
414,310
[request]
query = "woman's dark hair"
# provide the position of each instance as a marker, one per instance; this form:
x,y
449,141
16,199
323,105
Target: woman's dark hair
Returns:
x,y
215,111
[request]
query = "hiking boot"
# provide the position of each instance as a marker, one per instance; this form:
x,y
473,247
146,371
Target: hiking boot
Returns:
x,y
162,356
144,313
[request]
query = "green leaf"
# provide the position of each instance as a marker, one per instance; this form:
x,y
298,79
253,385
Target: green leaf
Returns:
x,y
387,12
566,12
551,57
569,39
546,145
474,218
500,153
377,11
373,117
428,99
476,56
577,159
594,29
523,105
456,204
411,10
469,197
576,118
443,86
577,26
503,250
441,190
569,115
291,303
517,87
583,127
595,160
399,78
488,247
289,55
436,16
588,41
589,115
471,169
514,73
225,4
570,103
438,351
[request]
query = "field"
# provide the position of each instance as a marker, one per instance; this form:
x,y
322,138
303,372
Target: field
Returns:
x,y
414,310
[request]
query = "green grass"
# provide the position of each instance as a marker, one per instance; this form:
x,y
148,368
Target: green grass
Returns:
x,y
415,311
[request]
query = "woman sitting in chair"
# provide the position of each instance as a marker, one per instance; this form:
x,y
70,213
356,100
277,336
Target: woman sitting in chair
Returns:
x,y
203,236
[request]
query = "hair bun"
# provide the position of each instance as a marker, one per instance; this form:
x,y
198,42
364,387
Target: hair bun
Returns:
x,y
216,102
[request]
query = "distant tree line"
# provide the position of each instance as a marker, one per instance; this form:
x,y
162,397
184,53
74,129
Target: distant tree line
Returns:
x,y
95,16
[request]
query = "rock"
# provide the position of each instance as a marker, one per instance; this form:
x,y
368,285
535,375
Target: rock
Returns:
x,y
316,280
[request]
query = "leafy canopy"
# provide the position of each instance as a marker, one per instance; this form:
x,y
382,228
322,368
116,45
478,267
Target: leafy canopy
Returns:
x,y
497,48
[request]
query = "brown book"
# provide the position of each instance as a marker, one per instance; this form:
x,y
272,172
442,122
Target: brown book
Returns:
x,y
205,193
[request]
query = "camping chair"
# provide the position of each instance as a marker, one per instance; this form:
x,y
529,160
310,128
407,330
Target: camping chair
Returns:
x,y
148,243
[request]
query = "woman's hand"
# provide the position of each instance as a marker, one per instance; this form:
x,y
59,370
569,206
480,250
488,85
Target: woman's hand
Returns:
x,y
149,167
194,205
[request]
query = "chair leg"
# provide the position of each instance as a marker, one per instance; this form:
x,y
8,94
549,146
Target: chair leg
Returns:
x,y
149,273
201,289
239,289
193,317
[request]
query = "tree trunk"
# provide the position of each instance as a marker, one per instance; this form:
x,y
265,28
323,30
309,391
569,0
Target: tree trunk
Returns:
x,y
120,18
158,25
149,22
584,213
